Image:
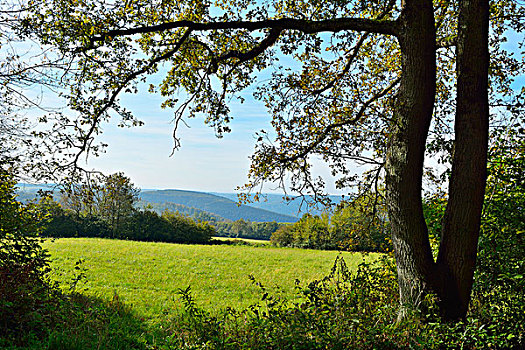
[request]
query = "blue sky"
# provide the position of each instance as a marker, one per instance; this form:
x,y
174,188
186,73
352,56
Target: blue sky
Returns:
x,y
203,163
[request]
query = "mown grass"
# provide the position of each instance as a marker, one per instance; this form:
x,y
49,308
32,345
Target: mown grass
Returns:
x,y
248,240
147,276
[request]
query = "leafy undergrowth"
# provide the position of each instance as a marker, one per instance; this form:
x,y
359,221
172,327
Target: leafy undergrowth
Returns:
x,y
351,310
345,310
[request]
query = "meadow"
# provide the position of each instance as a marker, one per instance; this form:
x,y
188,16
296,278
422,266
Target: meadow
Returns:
x,y
147,276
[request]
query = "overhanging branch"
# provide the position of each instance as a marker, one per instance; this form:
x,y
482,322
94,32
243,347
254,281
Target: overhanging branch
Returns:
x,y
333,126
387,27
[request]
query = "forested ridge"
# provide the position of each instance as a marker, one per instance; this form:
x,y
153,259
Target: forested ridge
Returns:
x,y
198,205
218,205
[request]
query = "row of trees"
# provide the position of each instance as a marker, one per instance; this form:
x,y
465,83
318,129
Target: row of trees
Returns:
x,y
247,229
352,226
196,214
139,225
105,207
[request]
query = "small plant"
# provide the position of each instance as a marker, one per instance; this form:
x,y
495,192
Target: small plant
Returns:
x,y
79,275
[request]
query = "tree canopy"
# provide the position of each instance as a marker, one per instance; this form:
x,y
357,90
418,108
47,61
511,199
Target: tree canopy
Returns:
x,y
335,101
373,82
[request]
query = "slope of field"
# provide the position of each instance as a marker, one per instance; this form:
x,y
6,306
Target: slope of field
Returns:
x,y
217,205
148,275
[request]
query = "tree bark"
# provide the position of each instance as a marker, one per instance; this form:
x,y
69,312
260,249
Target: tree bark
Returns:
x,y
404,163
457,253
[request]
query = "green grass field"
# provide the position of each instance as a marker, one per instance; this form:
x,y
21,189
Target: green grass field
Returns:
x,y
148,275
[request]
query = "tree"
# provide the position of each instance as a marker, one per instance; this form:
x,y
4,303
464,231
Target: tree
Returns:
x,y
108,198
116,201
358,228
373,102
241,228
82,198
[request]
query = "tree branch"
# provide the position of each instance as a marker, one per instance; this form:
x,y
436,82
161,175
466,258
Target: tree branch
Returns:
x,y
330,127
347,67
86,139
263,45
387,27
355,50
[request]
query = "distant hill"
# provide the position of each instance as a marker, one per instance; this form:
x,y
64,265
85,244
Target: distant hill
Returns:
x,y
275,203
215,204
26,192
213,207
194,213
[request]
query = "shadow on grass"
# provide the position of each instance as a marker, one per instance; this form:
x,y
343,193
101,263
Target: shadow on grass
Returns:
x,y
76,321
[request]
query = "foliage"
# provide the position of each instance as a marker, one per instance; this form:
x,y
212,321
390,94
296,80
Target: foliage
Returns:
x,y
139,225
362,224
68,223
499,280
19,228
355,225
110,198
27,74
434,205
498,303
73,321
247,229
24,264
350,308
345,310
117,199
196,214
186,230
104,207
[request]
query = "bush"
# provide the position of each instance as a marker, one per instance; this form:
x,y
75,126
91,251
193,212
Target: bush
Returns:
x,y
184,230
353,226
66,223
24,264
345,310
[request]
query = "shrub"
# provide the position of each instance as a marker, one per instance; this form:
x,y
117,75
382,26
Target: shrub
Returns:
x,y
24,264
345,310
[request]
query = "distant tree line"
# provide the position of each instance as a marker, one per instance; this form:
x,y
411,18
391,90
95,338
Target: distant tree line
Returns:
x,y
224,228
196,214
105,208
247,229
356,225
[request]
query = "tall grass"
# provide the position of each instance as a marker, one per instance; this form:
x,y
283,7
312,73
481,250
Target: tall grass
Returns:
x,y
147,276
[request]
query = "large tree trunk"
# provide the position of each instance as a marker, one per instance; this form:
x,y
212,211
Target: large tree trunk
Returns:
x,y
457,253
404,163
452,276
